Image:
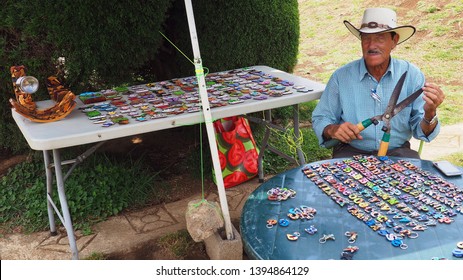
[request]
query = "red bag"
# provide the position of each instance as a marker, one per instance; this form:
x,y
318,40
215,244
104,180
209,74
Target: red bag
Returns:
x,y
238,152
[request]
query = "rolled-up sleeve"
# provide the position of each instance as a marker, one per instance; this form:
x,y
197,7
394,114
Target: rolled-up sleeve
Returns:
x,y
419,134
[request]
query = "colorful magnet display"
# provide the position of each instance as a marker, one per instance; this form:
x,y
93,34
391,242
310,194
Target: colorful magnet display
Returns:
x,y
178,96
395,199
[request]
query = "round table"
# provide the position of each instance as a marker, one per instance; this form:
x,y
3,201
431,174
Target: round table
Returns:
x,y
262,242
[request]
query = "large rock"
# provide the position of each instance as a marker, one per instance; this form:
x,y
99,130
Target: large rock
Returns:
x,y
203,218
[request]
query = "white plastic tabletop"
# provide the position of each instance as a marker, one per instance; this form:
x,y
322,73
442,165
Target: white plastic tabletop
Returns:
x,y
76,129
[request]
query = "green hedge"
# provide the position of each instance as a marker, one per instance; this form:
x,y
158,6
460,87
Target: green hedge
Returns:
x,y
106,44
91,196
234,34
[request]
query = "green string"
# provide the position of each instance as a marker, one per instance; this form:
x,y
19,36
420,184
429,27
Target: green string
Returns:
x,y
180,51
203,200
165,37
199,73
201,157
291,140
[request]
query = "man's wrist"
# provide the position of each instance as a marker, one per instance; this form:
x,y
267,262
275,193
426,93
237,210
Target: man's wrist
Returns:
x,y
326,133
430,121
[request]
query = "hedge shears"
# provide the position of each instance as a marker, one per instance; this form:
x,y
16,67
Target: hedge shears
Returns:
x,y
392,109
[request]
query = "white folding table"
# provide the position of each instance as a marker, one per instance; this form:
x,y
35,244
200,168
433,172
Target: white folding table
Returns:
x,y
76,130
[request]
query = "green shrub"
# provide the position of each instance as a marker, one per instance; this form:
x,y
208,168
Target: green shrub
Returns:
x,y
234,34
105,45
99,187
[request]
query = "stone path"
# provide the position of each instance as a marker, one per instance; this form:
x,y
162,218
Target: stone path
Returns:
x,y
118,235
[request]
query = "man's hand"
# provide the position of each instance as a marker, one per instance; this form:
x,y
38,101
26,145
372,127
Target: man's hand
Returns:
x,y
345,132
433,96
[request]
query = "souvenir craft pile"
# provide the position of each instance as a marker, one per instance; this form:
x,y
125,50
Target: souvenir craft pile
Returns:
x,y
23,104
305,213
302,212
395,199
178,96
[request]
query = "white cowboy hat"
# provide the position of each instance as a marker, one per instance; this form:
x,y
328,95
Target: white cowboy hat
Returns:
x,y
381,20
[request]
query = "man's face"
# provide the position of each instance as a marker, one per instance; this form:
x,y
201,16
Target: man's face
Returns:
x,y
377,48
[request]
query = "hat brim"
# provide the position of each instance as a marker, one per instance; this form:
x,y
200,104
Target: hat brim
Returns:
x,y
405,32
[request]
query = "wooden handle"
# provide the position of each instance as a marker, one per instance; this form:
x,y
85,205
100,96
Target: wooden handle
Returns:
x,y
384,145
361,126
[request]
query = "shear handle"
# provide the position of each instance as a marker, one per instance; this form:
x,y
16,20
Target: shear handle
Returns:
x,y
361,126
384,145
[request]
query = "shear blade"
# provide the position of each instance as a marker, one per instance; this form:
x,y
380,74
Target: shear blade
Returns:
x,y
395,96
404,103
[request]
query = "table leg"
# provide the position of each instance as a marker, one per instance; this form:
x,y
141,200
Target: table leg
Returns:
x,y
49,178
263,147
297,134
267,121
67,222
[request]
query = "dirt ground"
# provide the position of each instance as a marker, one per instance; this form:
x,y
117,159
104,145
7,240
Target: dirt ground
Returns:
x,y
160,251
7,160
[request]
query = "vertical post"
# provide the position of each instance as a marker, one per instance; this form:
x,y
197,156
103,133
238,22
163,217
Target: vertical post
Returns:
x,y
297,134
208,119
64,205
51,217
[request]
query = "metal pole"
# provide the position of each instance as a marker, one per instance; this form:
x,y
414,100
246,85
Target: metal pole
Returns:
x,y
208,119
297,134
67,222
48,172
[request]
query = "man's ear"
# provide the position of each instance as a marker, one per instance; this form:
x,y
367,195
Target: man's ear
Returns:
x,y
395,39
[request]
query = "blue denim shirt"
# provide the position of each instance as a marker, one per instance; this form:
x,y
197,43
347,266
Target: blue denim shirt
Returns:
x,y
348,98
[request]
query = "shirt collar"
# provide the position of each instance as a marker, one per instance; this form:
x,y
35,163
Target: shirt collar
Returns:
x,y
363,72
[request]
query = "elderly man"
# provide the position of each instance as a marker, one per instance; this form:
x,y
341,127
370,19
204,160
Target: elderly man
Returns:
x,y
362,88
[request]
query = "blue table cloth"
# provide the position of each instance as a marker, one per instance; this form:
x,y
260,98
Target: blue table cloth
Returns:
x,y
271,242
